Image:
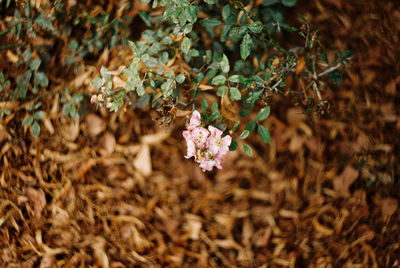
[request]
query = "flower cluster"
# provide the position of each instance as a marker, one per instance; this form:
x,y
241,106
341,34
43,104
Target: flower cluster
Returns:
x,y
206,145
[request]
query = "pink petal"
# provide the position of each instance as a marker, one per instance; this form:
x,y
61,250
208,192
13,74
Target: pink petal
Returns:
x,y
191,149
215,131
195,120
212,144
199,136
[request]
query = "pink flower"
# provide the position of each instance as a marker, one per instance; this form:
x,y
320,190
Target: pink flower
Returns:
x,y
207,146
217,145
191,151
199,136
195,120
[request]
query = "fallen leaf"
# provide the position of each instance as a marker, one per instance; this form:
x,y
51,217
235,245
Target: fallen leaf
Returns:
x,y
342,182
142,161
389,206
37,200
95,125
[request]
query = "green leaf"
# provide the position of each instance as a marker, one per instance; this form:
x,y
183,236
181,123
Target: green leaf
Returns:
x,y
45,23
346,54
263,113
7,84
246,46
180,78
235,127
66,109
218,80
191,13
229,14
140,90
233,146
234,78
41,79
222,91
77,98
251,125
210,2
244,134
247,149
335,76
27,121
324,56
167,88
224,64
289,3
264,134
234,94
243,112
97,82
35,129
1,78
73,45
145,17
134,48
225,32
256,27
210,23
186,44
35,64
38,115
204,105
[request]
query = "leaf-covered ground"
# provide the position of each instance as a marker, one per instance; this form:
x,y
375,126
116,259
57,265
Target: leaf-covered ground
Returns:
x,y
114,190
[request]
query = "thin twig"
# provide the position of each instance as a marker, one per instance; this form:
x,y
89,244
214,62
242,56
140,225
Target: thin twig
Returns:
x,y
329,70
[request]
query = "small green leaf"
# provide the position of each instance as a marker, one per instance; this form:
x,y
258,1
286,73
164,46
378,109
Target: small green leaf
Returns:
x,y
234,94
229,14
335,76
244,134
247,149
35,64
289,3
222,91
235,127
251,125
167,88
263,113
224,64
210,23
73,45
27,121
180,78
346,54
191,13
134,48
1,78
234,78
218,80
97,82
41,79
38,115
186,44
324,56
77,98
243,112
246,46
35,129
146,18
204,105
66,109
233,146
264,134
256,27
